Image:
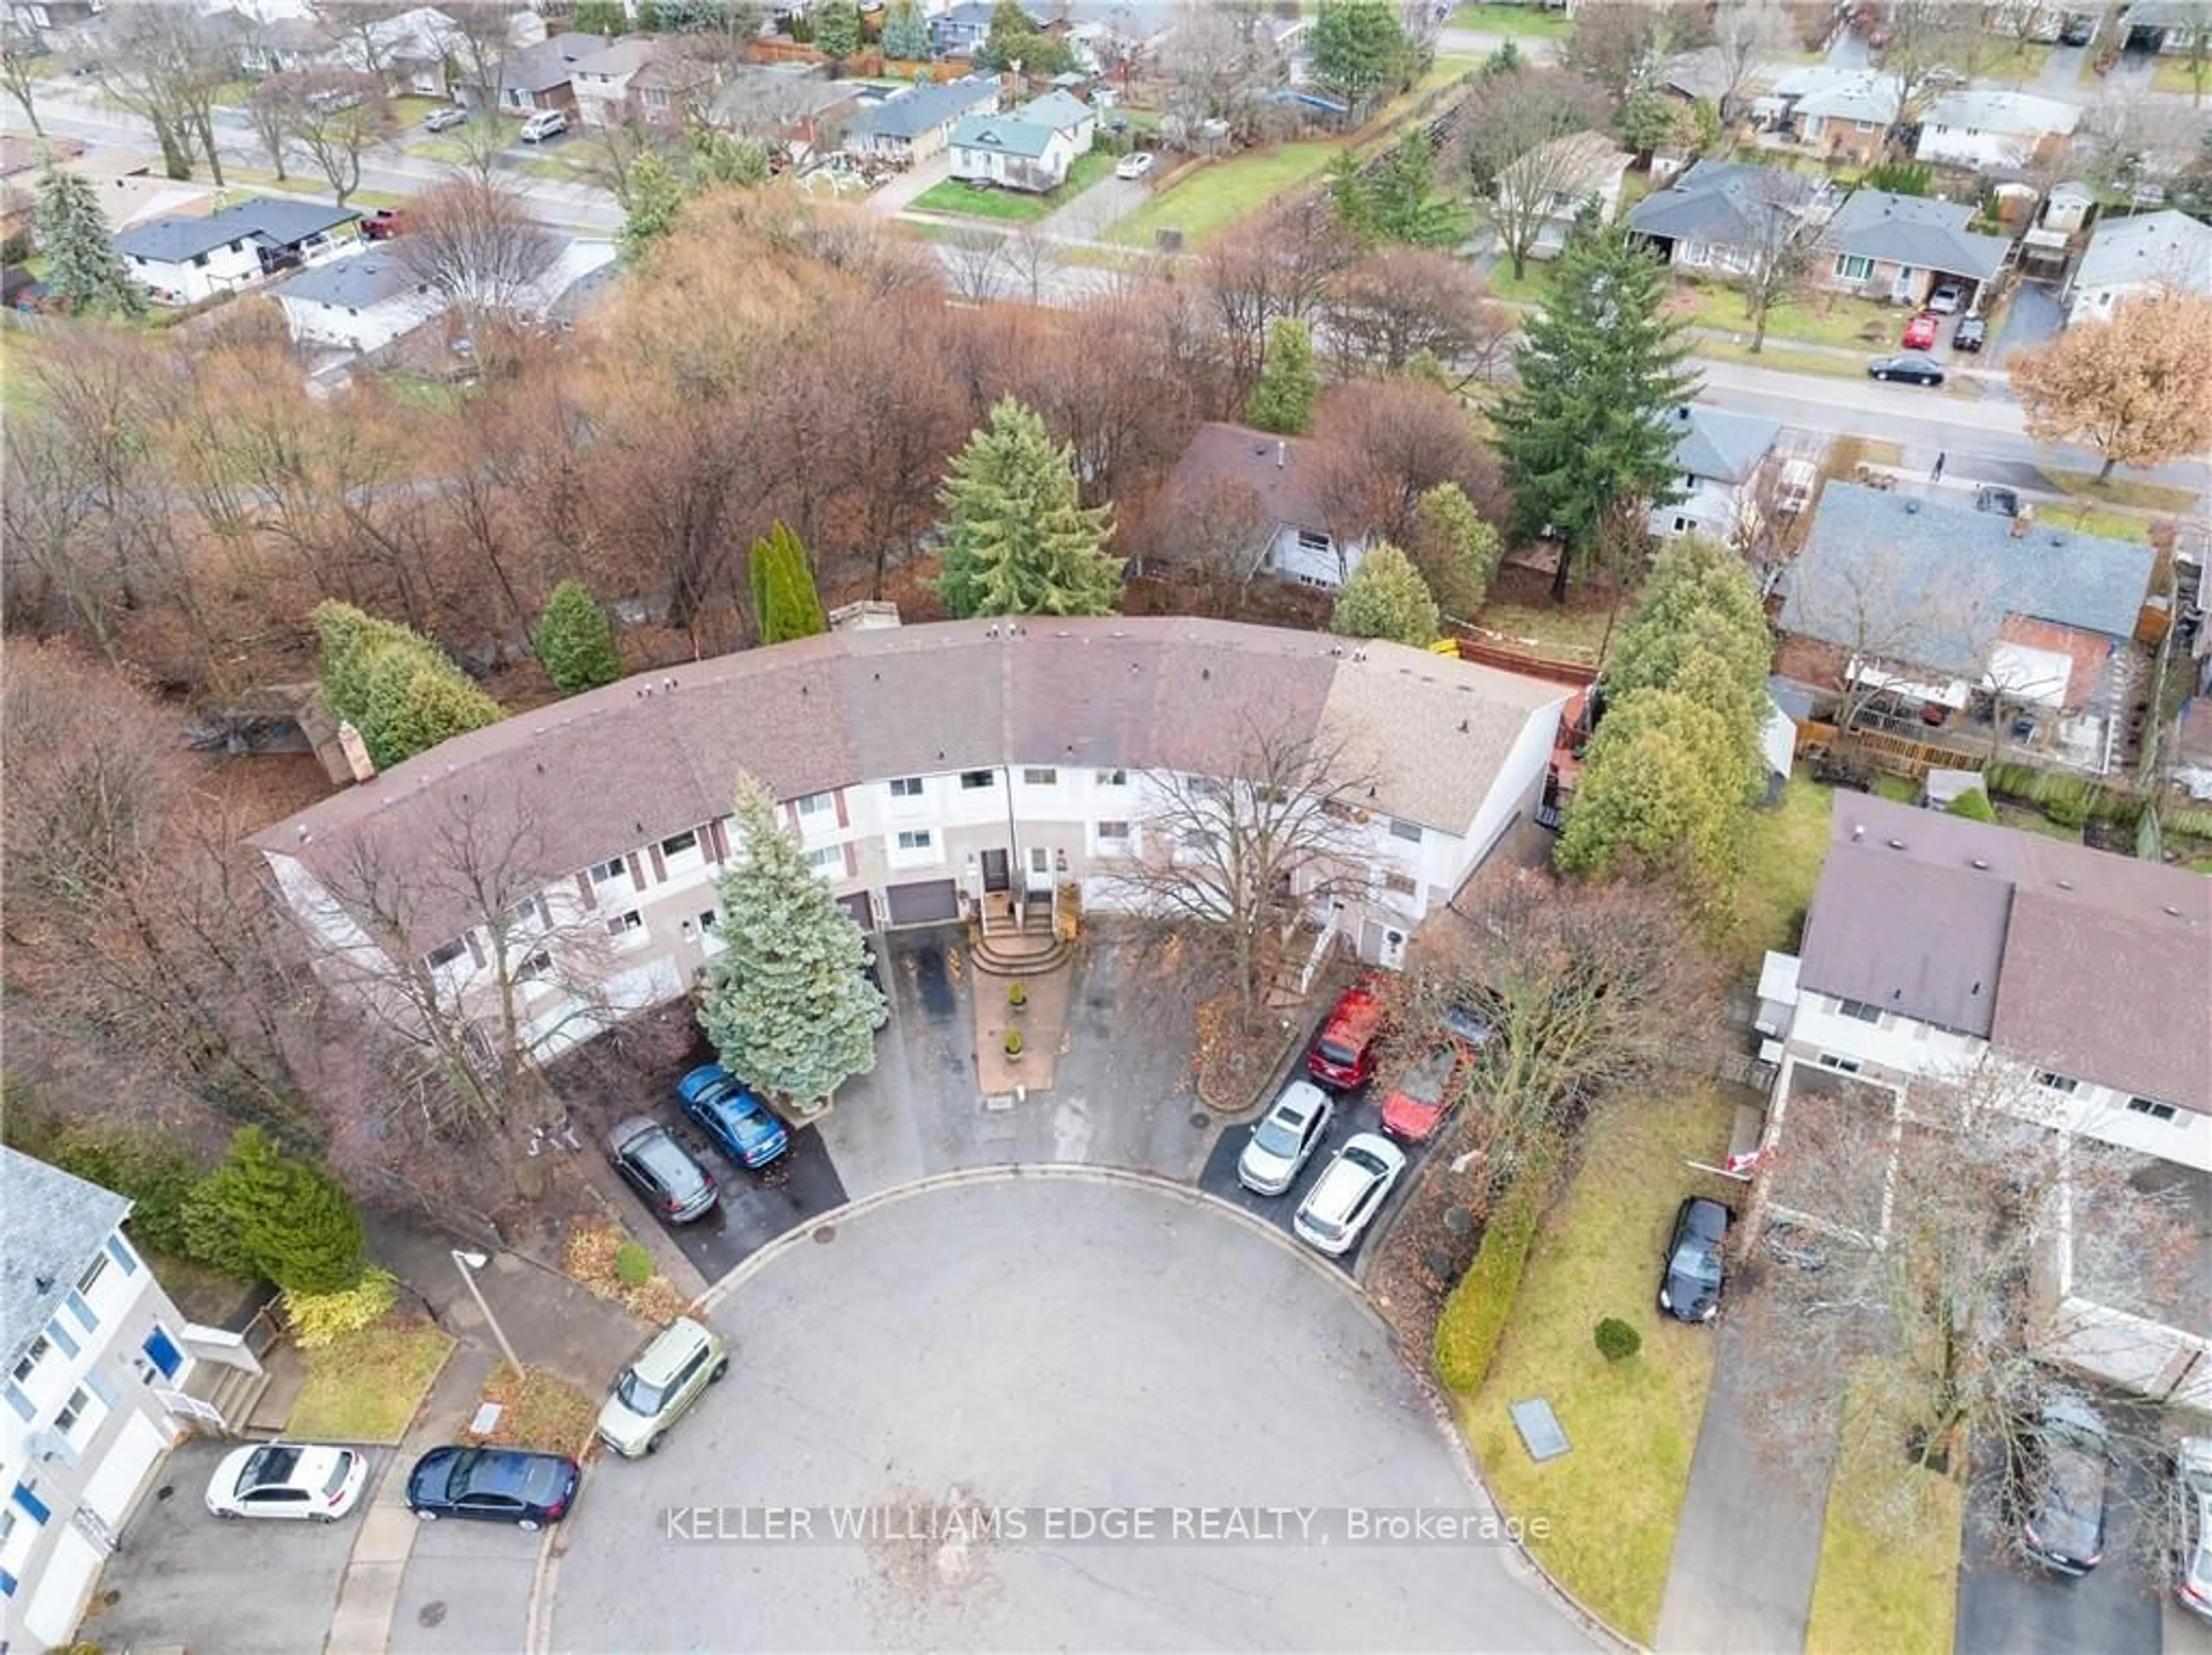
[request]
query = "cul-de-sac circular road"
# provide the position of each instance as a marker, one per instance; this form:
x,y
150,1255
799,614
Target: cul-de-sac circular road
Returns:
x,y
1021,1350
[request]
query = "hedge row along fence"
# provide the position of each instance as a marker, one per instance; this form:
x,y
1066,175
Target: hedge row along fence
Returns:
x,y
1473,1323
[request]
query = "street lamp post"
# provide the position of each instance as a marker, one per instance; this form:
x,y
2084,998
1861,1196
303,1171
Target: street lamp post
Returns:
x,y
469,1265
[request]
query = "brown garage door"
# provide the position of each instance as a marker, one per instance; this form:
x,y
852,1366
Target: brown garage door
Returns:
x,y
857,906
925,902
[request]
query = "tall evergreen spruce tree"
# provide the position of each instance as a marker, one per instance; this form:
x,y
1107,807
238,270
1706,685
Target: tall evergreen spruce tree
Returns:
x,y
906,36
787,1003
576,641
84,270
1585,431
291,1221
1017,539
1283,400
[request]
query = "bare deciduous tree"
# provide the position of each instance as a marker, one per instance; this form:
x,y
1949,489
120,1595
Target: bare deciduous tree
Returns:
x,y
1511,145
336,116
1745,34
166,64
975,265
1244,852
1222,61
1874,607
475,242
1399,303
1390,443
1276,268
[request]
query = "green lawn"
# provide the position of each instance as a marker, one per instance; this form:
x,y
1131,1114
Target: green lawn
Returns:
x,y
1532,286
1889,1553
366,1386
2172,74
2123,491
2020,61
1014,206
1782,853
1611,1504
1208,199
1492,19
1896,789
2097,520
1829,320
1781,357
1563,634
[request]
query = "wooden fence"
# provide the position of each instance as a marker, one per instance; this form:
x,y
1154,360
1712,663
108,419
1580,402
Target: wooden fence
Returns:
x,y
1896,754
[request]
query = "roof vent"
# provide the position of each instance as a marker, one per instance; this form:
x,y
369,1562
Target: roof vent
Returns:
x,y
1858,831
1897,844
1983,865
2170,909
2065,884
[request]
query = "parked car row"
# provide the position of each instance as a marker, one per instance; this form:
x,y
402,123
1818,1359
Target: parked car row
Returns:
x,y
663,1171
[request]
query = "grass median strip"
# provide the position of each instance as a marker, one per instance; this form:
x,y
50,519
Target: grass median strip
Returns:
x,y
1612,1502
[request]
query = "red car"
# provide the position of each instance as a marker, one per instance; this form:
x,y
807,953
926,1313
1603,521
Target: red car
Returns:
x,y
1920,331
1343,1054
383,225
1427,1090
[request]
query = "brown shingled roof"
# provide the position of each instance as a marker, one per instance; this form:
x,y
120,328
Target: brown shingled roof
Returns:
x,y
606,771
1285,473
2098,963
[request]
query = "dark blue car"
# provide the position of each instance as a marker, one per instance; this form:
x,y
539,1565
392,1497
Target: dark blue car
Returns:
x,y
493,1485
739,1123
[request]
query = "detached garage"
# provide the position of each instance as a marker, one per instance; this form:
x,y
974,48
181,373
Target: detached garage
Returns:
x,y
925,902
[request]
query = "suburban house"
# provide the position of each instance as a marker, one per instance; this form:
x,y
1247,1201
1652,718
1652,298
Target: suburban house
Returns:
x,y
958,30
540,77
102,1369
600,82
56,24
2165,25
673,88
1722,218
1994,131
2064,984
281,45
945,768
2134,258
1105,34
778,103
1725,466
1065,114
1844,112
1882,245
1008,150
184,260
361,302
1941,615
917,124
1579,171
1267,492
412,52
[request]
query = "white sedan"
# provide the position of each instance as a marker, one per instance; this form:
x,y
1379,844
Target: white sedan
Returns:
x,y
288,1479
1134,165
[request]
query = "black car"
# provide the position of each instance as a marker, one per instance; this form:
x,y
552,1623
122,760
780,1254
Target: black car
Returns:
x,y
2061,1481
1996,498
1690,1286
2079,30
493,1485
1913,370
1972,333
673,1184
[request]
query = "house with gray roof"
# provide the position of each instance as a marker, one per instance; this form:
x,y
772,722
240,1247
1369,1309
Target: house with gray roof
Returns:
x,y
542,77
1723,462
1952,610
924,769
1842,113
1726,219
184,259
2134,258
1883,245
916,124
1009,151
1063,112
1264,503
102,1373
2065,985
1995,130
361,302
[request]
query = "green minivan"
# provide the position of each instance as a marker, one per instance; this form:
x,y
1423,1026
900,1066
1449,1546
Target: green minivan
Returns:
x,y
653,1392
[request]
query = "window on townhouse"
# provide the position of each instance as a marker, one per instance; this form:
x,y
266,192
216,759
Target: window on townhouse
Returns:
x,y
27,1363
93,1272
915,839
1113,778
2051,1080
447,952
828,859
539,965
677,844
1841,1065
1040,859
607,873
1682,525
623,925
1198,841
906,787
1854,267
1113,830
1400,884
815,803
1407,830
1309,541
976,780
2152,1108
1041,776
74,1412
1858,1011
119,1250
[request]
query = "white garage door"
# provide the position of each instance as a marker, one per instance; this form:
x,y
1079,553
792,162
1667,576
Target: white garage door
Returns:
x,y
124,1471
63,1588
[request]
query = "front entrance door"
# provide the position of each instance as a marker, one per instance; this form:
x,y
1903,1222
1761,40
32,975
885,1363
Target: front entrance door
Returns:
x,y
995,877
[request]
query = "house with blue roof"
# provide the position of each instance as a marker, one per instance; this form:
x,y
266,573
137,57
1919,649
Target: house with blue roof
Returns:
x,y
1941,612
914,124
1723,461
1009,151
102,1374
360,303
1724,218
1063,112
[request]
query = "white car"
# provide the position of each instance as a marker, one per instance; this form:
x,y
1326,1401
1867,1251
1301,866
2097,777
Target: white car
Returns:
x,y
288,1479
1349,1193
1285,1138
1135,164
545,123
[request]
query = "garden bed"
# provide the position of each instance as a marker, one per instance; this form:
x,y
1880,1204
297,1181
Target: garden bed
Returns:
x,y
604,1260
538,1411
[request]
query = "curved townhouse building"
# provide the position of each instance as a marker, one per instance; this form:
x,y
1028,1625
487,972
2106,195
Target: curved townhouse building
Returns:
x,y
920,767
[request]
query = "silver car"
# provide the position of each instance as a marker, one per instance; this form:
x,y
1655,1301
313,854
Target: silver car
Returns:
x,y
1349,1191
653,1392
1285,1138
2192,1539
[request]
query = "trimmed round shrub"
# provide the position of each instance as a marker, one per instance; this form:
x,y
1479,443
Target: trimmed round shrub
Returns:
x,y
318,1320
1616,1341
632,1265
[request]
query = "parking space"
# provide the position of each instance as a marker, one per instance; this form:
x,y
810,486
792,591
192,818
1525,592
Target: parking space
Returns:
x,y
185,1577
466,1589
756,1207
2007,1606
